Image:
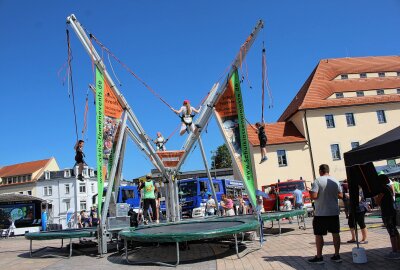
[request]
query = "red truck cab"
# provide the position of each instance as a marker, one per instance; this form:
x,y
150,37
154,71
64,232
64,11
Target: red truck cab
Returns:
x,y
278,191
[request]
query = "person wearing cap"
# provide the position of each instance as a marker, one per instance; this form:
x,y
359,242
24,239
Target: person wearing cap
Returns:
x,y
149,197
186,113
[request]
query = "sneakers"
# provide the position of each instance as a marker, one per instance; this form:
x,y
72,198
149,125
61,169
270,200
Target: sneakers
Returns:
x,y
145,222
316,260
336,258
263,159
80,177
393,256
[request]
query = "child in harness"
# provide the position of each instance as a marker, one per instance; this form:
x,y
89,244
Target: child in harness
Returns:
x,y
187,113
160,142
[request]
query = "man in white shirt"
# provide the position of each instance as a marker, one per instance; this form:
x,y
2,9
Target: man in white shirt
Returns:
x,y
326,191
210,206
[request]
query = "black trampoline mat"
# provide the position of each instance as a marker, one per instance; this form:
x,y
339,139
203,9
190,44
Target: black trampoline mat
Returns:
x,y
190,227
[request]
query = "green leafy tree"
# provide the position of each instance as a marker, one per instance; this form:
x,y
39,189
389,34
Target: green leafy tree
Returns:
x,y
221,158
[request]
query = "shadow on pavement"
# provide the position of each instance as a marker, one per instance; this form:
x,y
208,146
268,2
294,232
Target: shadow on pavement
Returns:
x,y
376,260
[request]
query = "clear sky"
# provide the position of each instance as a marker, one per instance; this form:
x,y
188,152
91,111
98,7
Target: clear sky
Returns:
x,y
180,48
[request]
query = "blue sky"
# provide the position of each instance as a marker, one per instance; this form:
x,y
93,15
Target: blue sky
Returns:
x,y
180,48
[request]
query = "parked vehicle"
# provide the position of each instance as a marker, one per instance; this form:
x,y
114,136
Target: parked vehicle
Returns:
x,y
193,193
129,195
278,191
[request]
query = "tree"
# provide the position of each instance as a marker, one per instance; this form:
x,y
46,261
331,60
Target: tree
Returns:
x,y
221,158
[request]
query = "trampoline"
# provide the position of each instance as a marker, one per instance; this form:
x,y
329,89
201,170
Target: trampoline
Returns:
x,y
60,234
272,216
187,231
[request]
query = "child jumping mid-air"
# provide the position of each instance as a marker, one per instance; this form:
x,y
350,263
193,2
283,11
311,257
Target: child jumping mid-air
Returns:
x,y
187,113
79,157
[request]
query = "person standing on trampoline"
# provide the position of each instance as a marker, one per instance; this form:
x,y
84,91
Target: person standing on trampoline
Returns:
x,y
149,197
186,114
79,158
262,137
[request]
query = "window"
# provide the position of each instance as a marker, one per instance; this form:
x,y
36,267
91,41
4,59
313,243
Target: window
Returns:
x,y
91,172
216,187
92,187
46,175
282,160
398,90
398,74
47,191
350,119
9,180
29,177
360,93
66,188
85,172
380,92
335,151
363,75
339,95
127,194
67,205
381,74
381,116
330,122
29,192
67,173
355,145
82,188
24,178
83,205
14,180
344,77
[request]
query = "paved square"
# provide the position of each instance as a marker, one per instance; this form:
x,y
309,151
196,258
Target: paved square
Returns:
x,y
290,250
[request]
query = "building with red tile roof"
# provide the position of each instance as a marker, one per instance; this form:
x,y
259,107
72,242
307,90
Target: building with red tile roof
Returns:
x,y
343,103
22,176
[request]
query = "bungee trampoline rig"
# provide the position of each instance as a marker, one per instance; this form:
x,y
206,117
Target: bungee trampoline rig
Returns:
x,y
116,119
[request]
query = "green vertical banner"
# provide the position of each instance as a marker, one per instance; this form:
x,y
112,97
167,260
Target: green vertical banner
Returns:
x,y
248,177
99,137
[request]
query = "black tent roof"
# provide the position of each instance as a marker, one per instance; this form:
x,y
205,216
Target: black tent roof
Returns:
x,y
386,146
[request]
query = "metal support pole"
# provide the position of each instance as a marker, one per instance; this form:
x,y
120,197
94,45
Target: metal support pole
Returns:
x,y
176,201
102,239
203,154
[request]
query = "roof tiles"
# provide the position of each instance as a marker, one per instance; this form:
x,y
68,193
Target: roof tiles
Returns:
x,y
321,84
23,168
277,133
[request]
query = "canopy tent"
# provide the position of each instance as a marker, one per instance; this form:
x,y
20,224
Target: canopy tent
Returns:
x,y
359,168
361,171
386,146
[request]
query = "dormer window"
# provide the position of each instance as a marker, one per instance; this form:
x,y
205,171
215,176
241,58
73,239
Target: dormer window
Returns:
x,y
339,95
363,75
47,175
91,173
381,74
344,76
67,173
380,92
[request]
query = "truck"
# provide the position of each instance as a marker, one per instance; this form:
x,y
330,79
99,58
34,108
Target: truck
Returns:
x,y
278,191
193,193
131,196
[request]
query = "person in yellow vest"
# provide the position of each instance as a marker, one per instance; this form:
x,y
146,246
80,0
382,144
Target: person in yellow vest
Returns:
x,y
149,198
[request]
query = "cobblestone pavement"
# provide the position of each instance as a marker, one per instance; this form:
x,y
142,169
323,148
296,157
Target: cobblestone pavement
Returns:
x,y
290,250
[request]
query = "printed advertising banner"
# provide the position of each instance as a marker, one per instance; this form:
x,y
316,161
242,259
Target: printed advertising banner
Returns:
x,y
230,117
108,120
